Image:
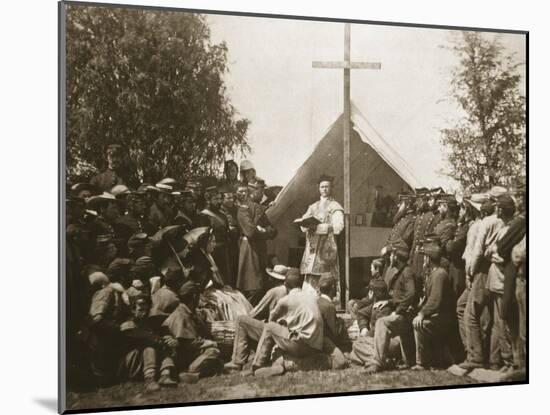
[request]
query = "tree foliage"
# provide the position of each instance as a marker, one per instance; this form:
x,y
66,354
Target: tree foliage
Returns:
x,y
153,82
487,147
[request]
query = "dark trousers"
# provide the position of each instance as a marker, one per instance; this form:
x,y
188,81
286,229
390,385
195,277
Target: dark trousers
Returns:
x,y
478,321
392,326
143,362
501,335
521,342
432,341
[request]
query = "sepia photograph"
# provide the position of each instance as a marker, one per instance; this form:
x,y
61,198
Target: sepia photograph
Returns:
x,y
265,206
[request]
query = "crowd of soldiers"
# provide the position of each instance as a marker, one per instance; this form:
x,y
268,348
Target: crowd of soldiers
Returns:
x,y
454,287
148,270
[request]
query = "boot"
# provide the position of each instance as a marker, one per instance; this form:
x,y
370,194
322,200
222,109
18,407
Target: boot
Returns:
x,y
151,384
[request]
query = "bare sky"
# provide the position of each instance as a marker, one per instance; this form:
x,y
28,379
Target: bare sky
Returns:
x,y
290,105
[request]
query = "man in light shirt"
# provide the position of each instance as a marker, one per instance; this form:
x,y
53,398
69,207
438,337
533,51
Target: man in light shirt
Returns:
x,y
295,326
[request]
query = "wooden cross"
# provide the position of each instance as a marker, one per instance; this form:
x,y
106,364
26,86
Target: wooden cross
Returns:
x,y
347,65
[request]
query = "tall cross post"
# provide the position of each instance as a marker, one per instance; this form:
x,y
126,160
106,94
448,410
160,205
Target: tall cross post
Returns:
x,y
347,65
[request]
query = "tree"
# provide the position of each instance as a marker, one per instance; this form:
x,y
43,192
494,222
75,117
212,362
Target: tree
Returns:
x,y
153,82
487,147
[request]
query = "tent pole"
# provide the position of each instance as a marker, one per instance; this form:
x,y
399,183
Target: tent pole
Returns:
x,y
347,181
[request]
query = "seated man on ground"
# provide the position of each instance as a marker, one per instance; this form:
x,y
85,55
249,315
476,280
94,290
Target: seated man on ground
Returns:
x,y
166,299
436,319
363,347
107,312
295,326
196,356
376,268
401,284
335,338
249,328
147,344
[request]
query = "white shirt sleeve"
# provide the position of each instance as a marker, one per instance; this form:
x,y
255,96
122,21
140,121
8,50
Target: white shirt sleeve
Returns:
x,y
337,220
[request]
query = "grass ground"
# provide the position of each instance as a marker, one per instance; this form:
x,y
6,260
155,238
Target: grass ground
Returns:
x,y
235,386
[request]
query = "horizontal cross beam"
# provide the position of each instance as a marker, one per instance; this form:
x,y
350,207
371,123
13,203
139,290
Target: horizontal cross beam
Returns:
x,y
346,65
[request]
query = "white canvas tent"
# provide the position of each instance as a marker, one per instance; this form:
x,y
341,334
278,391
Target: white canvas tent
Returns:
x,y
373,164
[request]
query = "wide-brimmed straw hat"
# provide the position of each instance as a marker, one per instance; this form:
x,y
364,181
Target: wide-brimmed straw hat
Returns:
x,y
278,272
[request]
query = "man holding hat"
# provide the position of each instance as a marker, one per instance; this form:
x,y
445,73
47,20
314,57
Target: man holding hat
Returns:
x,y
106,180
256,230
402,289
435,321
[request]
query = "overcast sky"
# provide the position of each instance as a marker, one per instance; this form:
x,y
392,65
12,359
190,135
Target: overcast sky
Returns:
x,y
272,83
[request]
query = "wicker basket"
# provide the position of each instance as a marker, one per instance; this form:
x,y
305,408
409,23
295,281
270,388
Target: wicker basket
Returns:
x,y
223,333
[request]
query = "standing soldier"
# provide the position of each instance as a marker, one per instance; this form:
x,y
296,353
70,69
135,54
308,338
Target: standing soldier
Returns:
x,y
403,223
255,231
217,221
106,180
162,212
187,210
229,209
134,221
445,229
422,226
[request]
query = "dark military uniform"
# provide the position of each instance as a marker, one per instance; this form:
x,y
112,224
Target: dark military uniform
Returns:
x,y
253,248
218,223
455,248
232,244
403,229
106,180
158,218
128,225
422,226
445,231
187,221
